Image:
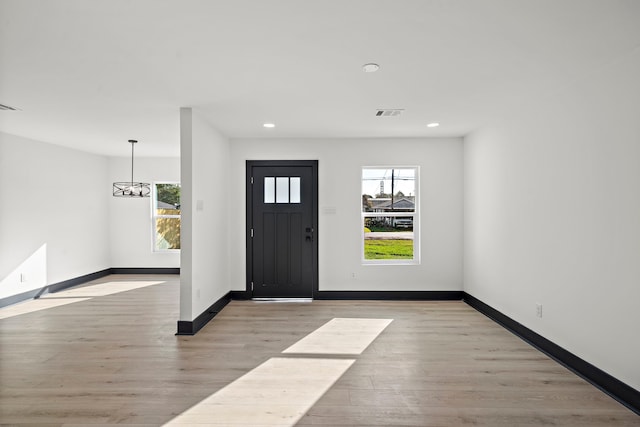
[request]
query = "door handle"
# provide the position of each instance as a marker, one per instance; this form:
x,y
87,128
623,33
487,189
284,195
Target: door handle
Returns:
x,y
309,236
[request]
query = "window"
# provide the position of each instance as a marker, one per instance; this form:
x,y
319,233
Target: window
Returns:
x,y
281,189
166,216
390,215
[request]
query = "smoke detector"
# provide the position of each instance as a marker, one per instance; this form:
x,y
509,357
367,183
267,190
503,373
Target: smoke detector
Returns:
x,y
389,112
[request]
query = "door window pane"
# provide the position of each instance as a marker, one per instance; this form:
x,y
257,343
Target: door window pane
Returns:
x,y
269,189
282,189
295,189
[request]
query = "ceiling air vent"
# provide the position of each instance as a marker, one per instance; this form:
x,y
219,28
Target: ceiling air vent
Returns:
x,y
389,113
6,107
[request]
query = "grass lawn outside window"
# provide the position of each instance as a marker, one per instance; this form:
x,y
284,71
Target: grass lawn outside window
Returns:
x,y
388,249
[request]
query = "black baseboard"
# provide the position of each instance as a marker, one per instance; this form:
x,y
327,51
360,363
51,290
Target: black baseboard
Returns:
x,y
615,388
389,295
186,327
54,287
149,270
14,299
372,295
57,287
240,295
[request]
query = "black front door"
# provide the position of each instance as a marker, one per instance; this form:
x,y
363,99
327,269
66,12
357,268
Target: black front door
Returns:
x,y
282,229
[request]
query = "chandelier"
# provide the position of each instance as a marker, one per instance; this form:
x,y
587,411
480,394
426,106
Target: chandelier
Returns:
x,y
131,188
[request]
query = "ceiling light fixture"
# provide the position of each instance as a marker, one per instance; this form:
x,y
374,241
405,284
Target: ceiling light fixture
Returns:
x,y
269,125
131,189
433,125
370,67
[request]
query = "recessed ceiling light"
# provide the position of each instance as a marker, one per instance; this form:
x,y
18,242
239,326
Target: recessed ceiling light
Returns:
x,y
370,68
269,125
433,125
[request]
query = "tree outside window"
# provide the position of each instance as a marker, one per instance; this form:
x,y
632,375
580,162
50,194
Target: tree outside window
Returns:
x,y
166,216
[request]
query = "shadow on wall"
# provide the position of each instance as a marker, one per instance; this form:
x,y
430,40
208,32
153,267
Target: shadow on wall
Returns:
x,y
29,275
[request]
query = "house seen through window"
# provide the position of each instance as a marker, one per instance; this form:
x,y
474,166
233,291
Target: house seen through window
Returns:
x,y
390,215
166,216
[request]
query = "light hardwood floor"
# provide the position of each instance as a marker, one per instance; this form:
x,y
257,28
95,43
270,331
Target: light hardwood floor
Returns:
x,y
114,359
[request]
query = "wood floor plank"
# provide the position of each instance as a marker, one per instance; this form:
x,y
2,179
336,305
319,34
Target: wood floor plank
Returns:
x,y
114,359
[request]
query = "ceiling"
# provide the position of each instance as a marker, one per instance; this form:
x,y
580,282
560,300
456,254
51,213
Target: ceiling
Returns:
x,y
93,74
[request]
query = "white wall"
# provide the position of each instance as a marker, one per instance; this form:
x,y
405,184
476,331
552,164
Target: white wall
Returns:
x,y
130,242
205,219
339,168
54,221
552,216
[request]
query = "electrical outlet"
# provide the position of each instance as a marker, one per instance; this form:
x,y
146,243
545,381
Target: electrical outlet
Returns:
x,y
353,275
539,310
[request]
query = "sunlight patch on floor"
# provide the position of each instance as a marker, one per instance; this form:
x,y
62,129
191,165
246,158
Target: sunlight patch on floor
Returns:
x,y
36,305
101,289
281,391
341,336
72,295
277,393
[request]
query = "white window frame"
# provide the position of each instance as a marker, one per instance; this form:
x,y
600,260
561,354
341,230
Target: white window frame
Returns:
x,y
415,215
155,216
